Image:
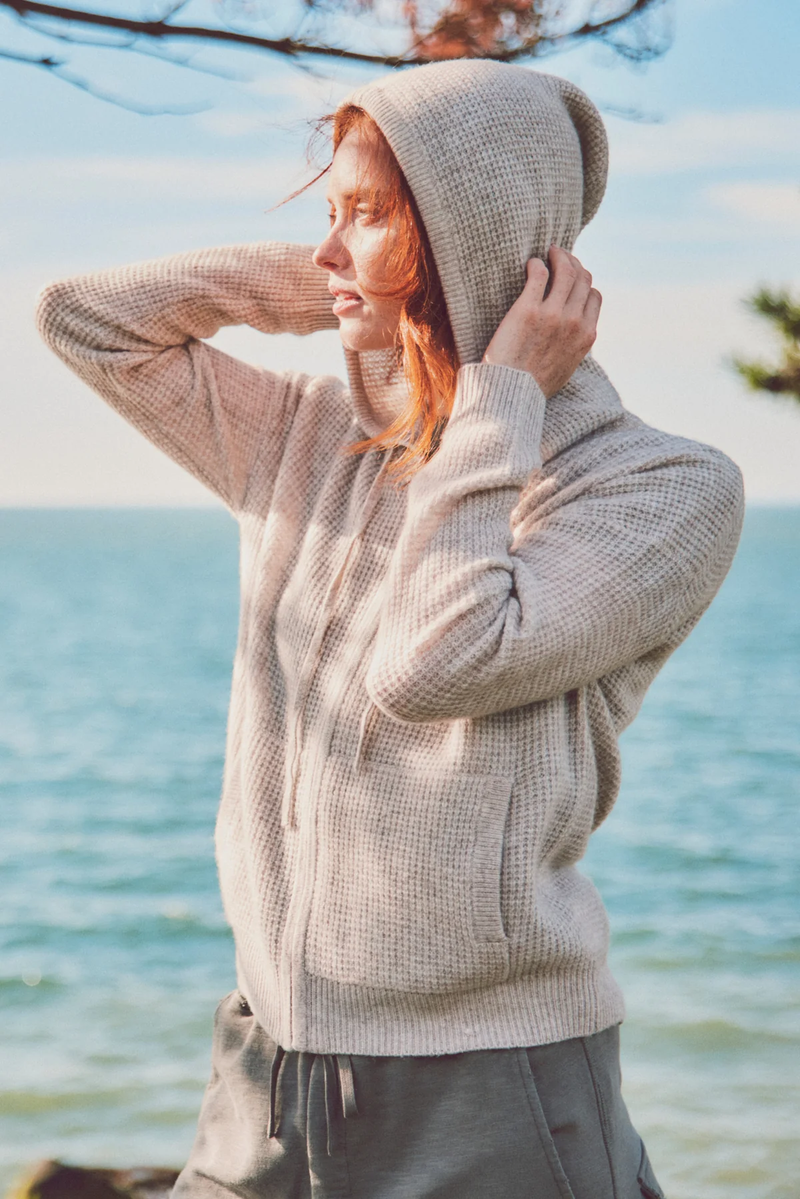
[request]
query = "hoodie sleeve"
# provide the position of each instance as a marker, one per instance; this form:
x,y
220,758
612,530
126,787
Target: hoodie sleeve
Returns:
x,y
134,334
474,622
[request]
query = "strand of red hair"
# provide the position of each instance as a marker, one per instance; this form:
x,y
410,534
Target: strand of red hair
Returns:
x,y
424,342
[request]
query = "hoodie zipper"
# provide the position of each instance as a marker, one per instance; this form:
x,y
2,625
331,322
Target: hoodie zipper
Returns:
x,y
310,789
304,826
311,660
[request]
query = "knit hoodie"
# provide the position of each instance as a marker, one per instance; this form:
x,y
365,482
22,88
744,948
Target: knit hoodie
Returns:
x,y
430,681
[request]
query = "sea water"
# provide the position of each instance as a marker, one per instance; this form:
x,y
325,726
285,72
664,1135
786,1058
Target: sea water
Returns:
x,y
117,631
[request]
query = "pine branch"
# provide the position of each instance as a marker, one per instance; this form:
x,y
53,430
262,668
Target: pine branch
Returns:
x,y
778,307
784,314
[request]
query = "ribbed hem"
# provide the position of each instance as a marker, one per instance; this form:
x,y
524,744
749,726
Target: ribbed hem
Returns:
x,y
536,1010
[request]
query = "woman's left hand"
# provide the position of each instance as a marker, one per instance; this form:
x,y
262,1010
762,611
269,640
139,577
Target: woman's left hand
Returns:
x,y
549,335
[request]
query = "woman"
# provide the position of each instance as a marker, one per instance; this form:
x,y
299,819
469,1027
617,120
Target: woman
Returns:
x,y
459,576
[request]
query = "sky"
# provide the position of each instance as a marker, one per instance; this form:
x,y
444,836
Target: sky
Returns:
x,y
703,206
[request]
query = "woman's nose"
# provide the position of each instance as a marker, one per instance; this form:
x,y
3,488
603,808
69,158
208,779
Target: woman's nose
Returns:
x,y
330,254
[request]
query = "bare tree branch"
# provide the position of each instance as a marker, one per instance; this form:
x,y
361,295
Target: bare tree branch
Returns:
x,y
30,59
131,44
503,30
161,29
289,47
218,72
58,68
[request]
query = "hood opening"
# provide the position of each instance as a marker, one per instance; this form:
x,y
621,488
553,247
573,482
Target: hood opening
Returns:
x,y
503,162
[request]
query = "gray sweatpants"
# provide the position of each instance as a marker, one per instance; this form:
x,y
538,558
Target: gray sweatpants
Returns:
x,y
546,1122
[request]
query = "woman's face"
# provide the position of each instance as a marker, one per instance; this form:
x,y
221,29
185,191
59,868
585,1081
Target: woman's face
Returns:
x,y
354,252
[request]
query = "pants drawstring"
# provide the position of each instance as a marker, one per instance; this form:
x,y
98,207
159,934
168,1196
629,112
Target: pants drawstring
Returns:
x,y
347,1085
338,1084
330,1084
272,1129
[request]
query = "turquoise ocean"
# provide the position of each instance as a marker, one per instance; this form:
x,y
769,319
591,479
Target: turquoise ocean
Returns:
x,y
117,631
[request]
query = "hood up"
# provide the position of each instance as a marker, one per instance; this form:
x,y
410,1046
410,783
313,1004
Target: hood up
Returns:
x,y
503,162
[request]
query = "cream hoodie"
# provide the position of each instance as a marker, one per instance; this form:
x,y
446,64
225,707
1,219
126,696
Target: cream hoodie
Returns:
x,y
430,682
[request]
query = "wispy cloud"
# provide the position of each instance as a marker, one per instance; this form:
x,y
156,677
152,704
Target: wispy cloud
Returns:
x,y
287,100
139,178
302,90
704,140
775,203
230,124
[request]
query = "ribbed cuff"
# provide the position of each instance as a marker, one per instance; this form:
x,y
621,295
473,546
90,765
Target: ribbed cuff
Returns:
x,y
312,301
497,416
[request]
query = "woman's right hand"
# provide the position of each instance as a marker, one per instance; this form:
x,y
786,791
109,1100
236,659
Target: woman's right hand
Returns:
x,y
545,332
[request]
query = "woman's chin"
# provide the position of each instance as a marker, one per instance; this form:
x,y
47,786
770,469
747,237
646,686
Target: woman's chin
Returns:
x,y
361,339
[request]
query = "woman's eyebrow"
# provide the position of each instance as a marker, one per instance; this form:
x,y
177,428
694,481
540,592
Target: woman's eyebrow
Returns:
x,y
344,196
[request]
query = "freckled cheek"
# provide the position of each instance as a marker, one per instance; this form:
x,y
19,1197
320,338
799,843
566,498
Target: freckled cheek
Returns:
x,y
369,257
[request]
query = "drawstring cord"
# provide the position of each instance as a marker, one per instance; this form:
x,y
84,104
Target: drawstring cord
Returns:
x,y
330,1084
347,1085
339,1083
338,1072
272,1129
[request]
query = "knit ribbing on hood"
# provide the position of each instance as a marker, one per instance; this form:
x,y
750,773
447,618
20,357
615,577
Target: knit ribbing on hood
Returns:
x,y
503,162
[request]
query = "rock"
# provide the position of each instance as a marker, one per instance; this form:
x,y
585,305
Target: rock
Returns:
x,y
54,1180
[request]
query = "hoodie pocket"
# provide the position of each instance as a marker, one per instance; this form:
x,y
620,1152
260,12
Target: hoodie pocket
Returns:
x,y
407,888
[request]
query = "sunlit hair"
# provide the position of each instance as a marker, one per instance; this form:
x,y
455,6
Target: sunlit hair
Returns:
x,y
424,342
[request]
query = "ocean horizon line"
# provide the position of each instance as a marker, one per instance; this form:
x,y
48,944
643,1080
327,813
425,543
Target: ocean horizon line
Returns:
x,y
213,506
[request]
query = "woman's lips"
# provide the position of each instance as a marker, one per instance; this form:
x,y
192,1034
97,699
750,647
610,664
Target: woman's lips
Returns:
x,y
346,303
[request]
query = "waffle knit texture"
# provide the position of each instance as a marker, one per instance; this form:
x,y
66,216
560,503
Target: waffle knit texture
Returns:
x,y
430,681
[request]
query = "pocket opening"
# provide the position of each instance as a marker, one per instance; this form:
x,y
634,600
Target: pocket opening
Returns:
x,y
546,1140
648,1184
366,724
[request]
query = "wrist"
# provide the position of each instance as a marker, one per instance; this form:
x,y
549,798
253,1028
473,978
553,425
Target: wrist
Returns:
x,y
539,377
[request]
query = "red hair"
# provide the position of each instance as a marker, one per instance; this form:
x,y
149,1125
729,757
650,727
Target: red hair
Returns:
x,y
424,342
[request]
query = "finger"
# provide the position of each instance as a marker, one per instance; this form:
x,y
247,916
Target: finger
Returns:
x,y
580,268
591,311
581,271
576,302
562,275
537,277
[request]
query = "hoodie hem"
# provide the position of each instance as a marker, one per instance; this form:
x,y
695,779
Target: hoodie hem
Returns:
x,y
534,1010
